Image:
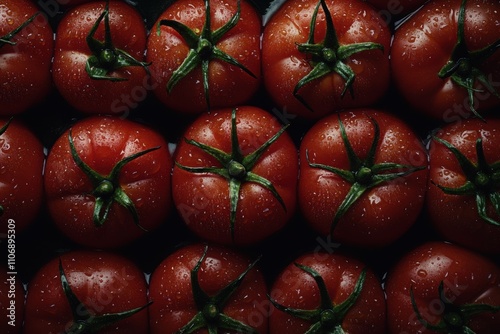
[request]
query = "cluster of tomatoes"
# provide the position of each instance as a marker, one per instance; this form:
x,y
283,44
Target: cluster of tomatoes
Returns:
x,y
294,166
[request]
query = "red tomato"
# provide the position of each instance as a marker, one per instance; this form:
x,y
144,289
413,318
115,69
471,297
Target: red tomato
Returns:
x,y
22,160
235,177
26,49
442,288
394,10
363,176
327,292
114,187
200,64
98,61
444,58
316,64
85,291
208,288
464,187
12,297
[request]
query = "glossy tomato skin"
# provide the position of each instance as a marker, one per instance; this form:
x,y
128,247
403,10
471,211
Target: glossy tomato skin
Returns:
x,y
22,160
12,296
283,65
468,278
394,10
456,217
104,282
203,200
296,289
383,213
171,293
25,66
128,33
101,142
228,85
424,44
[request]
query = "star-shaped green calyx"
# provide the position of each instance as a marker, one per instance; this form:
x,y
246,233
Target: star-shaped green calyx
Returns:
x,y
7,39
105,56
202,48
364,174
327,318
236,168
84,321
329,56
483,180
106,188
210,308
454,318
463,66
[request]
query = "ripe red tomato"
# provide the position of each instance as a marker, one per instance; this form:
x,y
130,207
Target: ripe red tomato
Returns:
x,y
316,64
327,293
196,62
12,296
363,177
444,58
442,288
85,291
394,10
26,49
22,160
98,61
199,288
235,176
464,188
107,181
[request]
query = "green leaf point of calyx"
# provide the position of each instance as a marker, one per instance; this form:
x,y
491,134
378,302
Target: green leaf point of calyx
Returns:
x,y
210,313
105,56
84,320
483,180
329,56
463,67
106,188
202,48
236,168
364,174
327,318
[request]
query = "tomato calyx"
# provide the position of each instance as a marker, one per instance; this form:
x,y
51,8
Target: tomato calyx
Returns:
x,y
327,318
105,56
210,314
107,188
202,48
364,174
483,180
454,318
236,168
463,66
329,56
84,321
7,39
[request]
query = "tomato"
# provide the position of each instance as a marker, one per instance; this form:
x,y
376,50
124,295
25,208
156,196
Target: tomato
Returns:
x,y
107,181
200,288
439,287
323,292
22,160
235,176
363,176
464,185
84,291
26,49
12,296
197,59
444,59
98,62
322,56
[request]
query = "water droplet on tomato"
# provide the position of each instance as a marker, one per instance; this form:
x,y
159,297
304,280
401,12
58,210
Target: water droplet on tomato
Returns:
x,y
422,273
